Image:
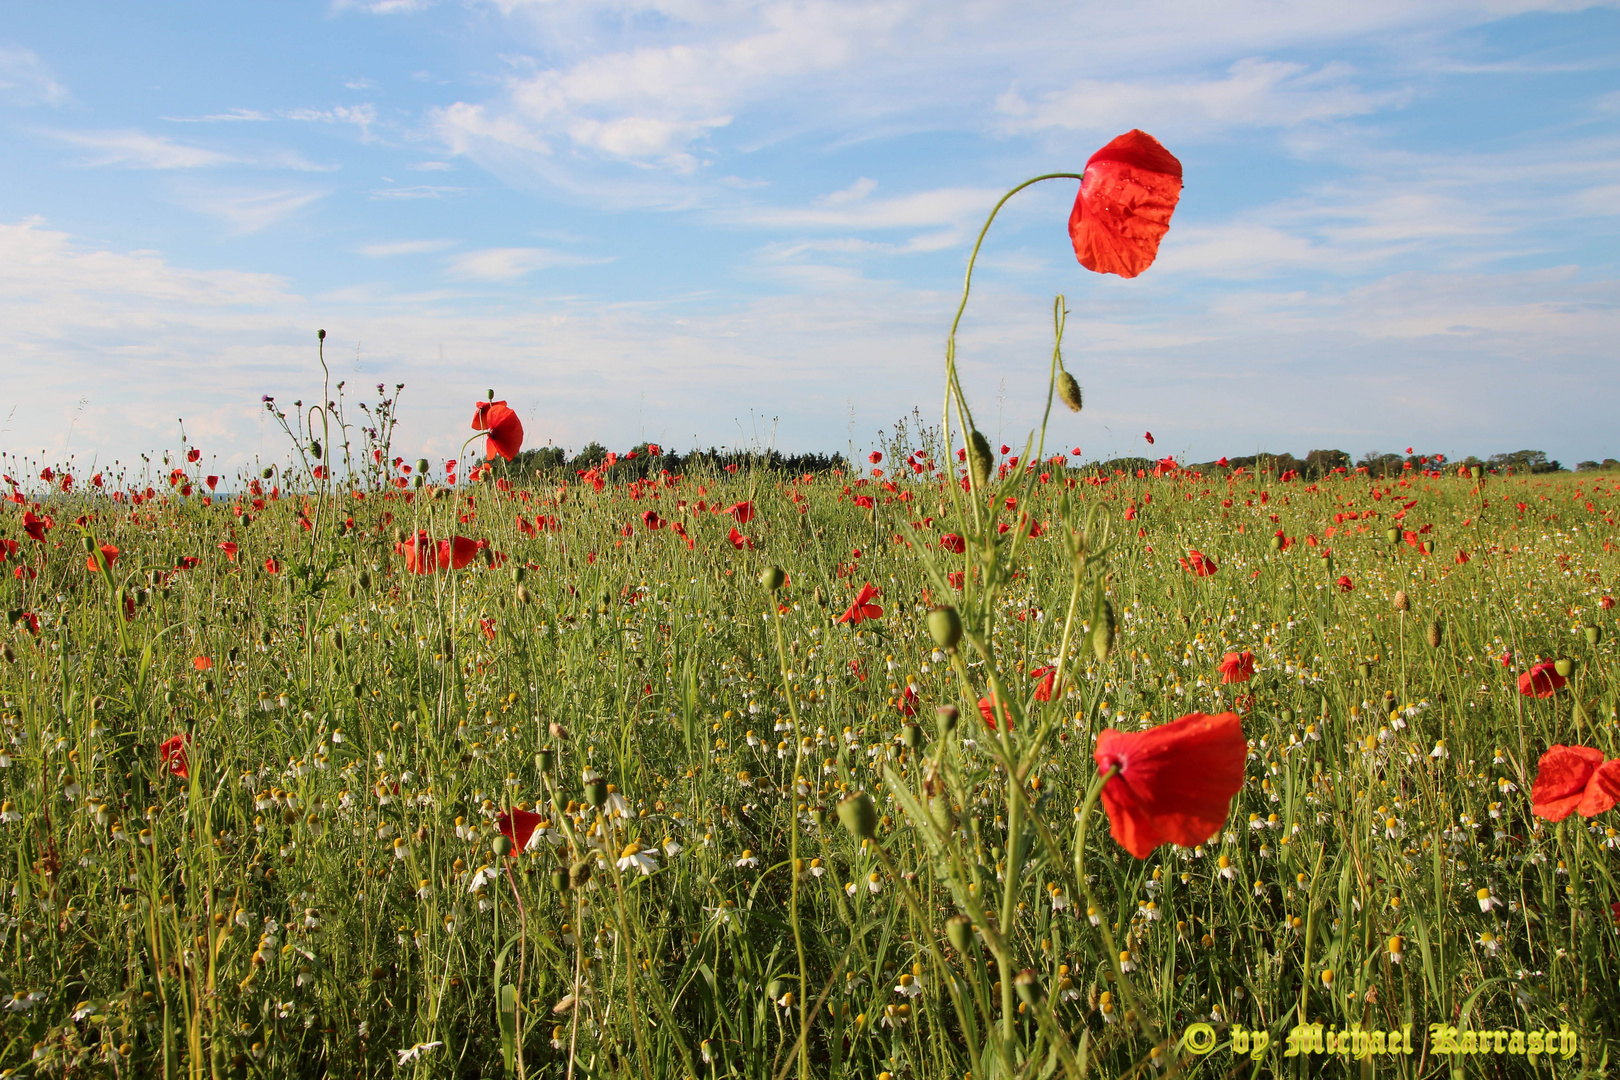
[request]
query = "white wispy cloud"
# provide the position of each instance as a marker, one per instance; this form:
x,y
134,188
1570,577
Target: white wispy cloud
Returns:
x,y
248,210
416,191
405,247
511,263
25,79
139,150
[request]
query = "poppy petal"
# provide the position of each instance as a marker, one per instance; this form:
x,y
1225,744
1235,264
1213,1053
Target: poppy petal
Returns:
x,y
1561,779
1122,211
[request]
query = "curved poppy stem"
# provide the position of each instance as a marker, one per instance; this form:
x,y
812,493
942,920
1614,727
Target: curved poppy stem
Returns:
x,y
953,385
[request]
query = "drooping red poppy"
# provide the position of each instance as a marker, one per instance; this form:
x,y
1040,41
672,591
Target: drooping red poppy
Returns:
x,y
953,543
211,481
1198,563
35,525
173,755
1540,681
108,552
1562,777
519,826
229,549
504,427
1148,435
1046,674
1175,782
1237,667
1344,583
863,608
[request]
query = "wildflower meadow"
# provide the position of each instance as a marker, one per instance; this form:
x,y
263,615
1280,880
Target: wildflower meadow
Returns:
x,y
954,760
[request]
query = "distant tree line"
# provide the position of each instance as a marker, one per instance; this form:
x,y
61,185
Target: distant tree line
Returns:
x,y
553,462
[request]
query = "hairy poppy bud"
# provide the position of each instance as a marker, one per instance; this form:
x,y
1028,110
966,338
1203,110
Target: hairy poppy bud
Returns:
x,y
596,793
365,579
947,716
959,932
519,573
580,873
911,735
502,846
1286,715
1068,390
773,578
945,627
315,448
546,761
559,880
1401,602
859,816
89,543
1028,987
980,459
522,594
268,471
1564,667
1103,630
320,335
1594,635
6,653
1432,635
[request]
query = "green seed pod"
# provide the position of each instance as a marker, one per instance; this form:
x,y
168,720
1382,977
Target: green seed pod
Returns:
x,y
1103,630
1432,635
911,736
580,873
501,845
546,761
859,815
1286,716
946,717
365,579
773,578
89,542
559,881
1276,543
1068,390
945,627
1364,669
421,466
1594,635
1392,535
320,335
1564,667
1476,472
980,459
519,573
959,932
1428,547
1028,987
596,793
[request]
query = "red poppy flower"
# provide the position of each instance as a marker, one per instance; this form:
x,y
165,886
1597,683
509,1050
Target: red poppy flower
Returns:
x,y
1237,667
1148,435
1198,563
488,628
953,543
457,552
519,825
874,457
1540,681
863,608
990,716
1046,674
173,754
651,519
229,549
1606,603
908,701
1574,778
743,512
8,548
108,552
504,427
201,663
1175,782
738,540
1344,583
35,526
271,566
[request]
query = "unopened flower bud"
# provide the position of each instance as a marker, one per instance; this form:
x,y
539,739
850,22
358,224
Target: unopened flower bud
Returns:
x,y
1401,602
945,627
959,931
1432,635
1068,390
859,816
773,578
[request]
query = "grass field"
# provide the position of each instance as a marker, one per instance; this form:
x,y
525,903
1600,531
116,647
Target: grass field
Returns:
x,y
323,891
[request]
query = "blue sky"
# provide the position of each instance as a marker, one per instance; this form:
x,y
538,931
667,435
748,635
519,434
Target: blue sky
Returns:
x,y
710,222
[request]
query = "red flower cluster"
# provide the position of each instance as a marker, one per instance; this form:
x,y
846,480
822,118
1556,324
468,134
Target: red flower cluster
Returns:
x,y
1198,563
172,755
423,556
1574,779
